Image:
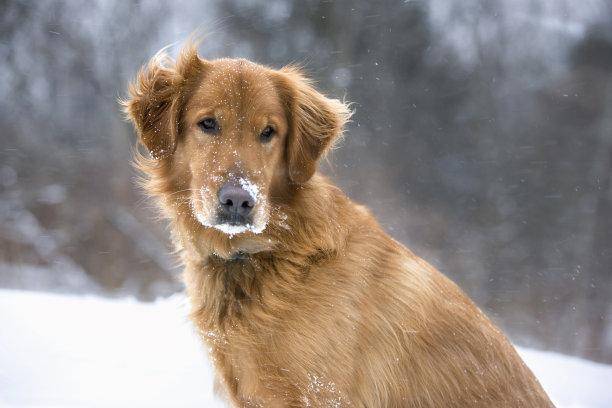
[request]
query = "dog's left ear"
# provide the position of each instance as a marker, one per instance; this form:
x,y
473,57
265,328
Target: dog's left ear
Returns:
x,y
315,122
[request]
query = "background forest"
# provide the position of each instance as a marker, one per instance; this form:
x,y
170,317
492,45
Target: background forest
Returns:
x,y
482,139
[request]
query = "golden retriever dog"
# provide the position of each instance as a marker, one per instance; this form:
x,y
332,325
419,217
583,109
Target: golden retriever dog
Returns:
x,y
301,297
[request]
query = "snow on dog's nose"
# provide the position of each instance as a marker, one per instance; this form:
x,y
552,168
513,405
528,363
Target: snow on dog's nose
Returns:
x,y
237,207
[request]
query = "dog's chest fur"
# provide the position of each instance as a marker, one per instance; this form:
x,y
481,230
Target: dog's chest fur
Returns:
x,y
227,317
260,330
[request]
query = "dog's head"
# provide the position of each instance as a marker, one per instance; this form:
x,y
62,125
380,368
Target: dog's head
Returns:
x,y
233,137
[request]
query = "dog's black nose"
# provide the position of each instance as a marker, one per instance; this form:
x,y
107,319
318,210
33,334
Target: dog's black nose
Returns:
x,y
235,201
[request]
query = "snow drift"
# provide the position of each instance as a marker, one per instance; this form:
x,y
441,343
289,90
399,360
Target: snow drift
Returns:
x,y
67,351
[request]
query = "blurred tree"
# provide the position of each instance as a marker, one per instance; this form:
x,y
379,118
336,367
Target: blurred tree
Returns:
x,y
481,139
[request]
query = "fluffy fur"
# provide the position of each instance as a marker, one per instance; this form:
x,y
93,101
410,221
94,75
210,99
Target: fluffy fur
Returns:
x,y
322,308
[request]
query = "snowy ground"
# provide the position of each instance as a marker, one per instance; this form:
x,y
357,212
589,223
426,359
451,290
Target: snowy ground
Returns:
x,y
66,351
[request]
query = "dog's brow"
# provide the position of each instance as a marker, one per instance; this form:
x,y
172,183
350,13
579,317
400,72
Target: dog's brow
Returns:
x,y
208,111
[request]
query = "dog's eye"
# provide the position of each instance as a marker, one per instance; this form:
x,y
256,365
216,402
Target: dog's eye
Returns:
x,y
209,125
266,135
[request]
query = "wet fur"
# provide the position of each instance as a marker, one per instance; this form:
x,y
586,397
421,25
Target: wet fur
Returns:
x,y
323,308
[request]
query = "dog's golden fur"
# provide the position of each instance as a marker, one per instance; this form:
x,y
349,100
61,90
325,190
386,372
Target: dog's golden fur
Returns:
x,y
322,308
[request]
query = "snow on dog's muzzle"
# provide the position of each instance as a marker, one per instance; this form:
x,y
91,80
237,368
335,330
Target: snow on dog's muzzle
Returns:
x,y
238,207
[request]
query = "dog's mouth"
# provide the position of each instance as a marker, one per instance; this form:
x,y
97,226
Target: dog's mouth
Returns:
x,y
234,219
237,225
234,229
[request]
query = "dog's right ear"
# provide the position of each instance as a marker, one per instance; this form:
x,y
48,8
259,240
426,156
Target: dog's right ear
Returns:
x,y
315,122
157,97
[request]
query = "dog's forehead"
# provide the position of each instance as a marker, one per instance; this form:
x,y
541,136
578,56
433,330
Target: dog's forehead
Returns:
x,y
235,90
231,82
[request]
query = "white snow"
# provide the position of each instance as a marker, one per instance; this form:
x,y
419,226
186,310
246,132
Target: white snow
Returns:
x,y
570,381
232,230
73,351
77,351
250,188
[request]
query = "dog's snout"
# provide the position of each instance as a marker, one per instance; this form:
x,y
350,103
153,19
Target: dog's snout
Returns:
x,y
235,200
